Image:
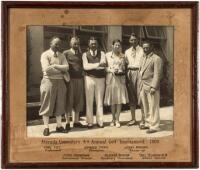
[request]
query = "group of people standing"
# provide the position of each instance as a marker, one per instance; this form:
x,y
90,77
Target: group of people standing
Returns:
x,y
71,79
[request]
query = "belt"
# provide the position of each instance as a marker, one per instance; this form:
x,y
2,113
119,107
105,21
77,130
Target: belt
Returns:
x,y
134,68
119,74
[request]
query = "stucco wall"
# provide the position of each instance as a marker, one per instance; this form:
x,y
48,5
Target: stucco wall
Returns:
x,y
35,48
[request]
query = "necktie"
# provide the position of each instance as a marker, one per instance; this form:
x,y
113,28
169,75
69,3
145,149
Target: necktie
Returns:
x,y
55,55
93,53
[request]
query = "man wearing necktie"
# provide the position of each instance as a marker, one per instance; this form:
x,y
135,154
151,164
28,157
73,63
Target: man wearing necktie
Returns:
x,y
75,92
133,57
94,63
52,88
150,74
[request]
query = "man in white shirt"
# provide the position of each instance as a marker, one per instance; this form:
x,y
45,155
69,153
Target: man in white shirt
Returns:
x,y
94,63
52,88
133,57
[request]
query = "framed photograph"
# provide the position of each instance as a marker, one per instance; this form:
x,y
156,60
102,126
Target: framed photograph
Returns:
x,y
99,84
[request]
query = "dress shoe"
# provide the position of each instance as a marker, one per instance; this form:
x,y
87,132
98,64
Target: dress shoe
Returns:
x,y
67,127
151,131
46,132
100,126
143,127
112,123
78,125
90,126
131,123
60,129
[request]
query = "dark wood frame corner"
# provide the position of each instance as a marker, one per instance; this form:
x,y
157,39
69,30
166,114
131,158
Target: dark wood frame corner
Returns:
x,y
6,5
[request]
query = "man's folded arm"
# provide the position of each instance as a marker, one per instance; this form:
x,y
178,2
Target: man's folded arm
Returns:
x,y
88,66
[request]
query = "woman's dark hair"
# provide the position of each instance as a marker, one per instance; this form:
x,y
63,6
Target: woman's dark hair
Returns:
x,y
116,40
134,35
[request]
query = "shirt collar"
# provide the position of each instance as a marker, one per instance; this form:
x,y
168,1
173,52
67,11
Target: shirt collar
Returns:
x,y
52,52
73,51
113,54
95,52
149,55
136,48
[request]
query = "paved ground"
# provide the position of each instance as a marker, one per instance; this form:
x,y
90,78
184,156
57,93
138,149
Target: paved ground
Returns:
x,y
166,127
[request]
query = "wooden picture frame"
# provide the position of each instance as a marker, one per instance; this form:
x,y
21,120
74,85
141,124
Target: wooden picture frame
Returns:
x,y
16,99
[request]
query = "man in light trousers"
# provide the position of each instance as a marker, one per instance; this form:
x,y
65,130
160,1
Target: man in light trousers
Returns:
x,y
94,65
52,88
150,73
133,57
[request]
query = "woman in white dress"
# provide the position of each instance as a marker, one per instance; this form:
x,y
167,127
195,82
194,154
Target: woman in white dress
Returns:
x,y
116,92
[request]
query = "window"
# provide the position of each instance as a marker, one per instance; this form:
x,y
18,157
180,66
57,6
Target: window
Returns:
x,y
100,29
64,32
128,30
65,26
85,32
155,32
85,36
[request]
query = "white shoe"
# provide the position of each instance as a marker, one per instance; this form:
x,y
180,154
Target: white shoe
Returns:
x,y
112,123
117,124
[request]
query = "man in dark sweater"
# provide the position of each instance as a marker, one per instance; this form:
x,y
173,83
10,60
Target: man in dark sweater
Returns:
x,y
75,94
94,63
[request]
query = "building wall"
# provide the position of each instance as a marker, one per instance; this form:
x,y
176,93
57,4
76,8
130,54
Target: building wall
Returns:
x,y
169,53
114,32
35,49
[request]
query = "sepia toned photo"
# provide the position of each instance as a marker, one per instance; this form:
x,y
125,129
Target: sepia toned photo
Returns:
x,y
99,85
99,81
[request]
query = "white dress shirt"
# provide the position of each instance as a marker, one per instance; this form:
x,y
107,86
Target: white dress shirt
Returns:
x,y
134,56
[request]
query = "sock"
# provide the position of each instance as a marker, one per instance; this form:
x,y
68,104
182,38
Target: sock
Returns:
x,y
59,121
46,121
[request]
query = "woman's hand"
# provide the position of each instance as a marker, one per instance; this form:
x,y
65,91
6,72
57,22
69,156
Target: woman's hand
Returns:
x,y
152,91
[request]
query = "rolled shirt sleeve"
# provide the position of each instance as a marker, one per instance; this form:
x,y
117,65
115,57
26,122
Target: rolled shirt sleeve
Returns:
x,y
103,57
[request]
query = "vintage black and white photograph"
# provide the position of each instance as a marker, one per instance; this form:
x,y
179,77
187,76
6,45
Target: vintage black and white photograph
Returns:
x,y
100,84
100,81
